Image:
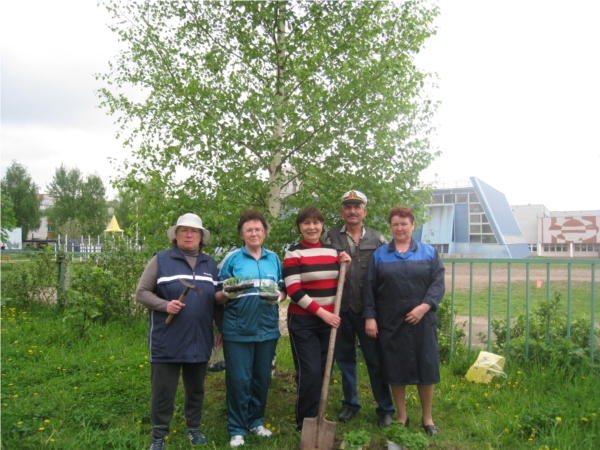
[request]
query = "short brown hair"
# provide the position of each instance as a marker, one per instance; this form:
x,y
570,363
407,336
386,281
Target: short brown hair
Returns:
x,y
309,213
401,211
251,214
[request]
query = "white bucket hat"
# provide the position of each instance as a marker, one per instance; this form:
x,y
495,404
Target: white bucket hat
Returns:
x,y
188,220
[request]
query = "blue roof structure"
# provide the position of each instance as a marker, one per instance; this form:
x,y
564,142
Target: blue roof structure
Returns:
x,y
473,220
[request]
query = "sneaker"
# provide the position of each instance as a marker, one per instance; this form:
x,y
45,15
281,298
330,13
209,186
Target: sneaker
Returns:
x,y
261,431
158,444
236,441
196,438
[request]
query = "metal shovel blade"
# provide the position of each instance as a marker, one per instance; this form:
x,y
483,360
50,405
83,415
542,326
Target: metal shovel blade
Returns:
x,y
317,435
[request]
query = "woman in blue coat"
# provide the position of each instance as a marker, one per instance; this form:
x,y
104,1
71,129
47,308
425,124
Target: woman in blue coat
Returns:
x,y
185,344
403,287
250,327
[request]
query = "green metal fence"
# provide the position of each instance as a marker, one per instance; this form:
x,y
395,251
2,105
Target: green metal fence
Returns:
x,y
459,268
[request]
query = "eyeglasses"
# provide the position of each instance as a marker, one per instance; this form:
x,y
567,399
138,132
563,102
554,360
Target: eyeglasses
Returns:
x,y
254,231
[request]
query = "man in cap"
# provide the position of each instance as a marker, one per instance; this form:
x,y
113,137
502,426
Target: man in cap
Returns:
x,y
359,242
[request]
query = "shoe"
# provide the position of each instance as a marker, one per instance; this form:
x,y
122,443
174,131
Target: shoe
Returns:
x,y
158,444
196,438
236,441
385,420
261,431
346,414
406,422
431,430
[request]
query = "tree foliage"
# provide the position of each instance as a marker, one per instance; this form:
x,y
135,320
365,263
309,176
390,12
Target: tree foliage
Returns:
x,y
8,217
270,105
19,187
79,203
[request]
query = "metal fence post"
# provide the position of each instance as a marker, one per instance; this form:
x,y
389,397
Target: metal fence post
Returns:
x,y
63,277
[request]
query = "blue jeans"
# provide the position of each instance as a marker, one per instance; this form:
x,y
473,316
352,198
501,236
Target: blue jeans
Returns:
x,y
345,355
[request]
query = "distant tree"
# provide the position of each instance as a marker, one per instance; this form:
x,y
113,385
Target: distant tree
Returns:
x,y
92,209
125,209
18,185
8,217
80,199
272,105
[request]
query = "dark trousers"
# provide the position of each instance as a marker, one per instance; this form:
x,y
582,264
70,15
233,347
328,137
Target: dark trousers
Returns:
x,y
353,325
309,338
164,378
247,377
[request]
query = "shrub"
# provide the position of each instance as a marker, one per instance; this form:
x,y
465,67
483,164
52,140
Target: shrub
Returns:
x,y
444,329
547,335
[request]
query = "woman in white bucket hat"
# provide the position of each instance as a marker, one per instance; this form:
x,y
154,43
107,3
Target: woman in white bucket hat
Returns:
x,y
185,343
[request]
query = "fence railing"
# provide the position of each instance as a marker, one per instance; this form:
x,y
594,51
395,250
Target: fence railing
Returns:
x,y
482,275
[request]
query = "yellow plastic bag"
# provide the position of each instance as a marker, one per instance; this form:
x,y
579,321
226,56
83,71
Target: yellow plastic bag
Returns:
x,y
487,366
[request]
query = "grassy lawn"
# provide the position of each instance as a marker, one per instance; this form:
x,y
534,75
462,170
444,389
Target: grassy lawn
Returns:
x,y
580,299
94,393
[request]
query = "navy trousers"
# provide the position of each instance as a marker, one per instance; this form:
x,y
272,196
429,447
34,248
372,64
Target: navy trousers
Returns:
x,y
353,325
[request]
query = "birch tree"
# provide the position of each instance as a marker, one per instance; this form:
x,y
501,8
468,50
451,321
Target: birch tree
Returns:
x,y
271,105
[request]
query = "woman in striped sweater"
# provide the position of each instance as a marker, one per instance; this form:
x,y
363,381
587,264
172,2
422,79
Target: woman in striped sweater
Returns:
x,y
310,271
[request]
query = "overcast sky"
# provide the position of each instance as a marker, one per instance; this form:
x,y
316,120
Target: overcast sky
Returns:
x,y
519,84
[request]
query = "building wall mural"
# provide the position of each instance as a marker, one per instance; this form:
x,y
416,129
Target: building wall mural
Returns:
x,y
567,230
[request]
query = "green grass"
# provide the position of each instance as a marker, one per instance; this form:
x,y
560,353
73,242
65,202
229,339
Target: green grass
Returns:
x,y
580,299
94,393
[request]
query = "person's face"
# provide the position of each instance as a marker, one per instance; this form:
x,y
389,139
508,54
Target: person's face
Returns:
x,y
311,230
253,233
402,229
353,213
188,238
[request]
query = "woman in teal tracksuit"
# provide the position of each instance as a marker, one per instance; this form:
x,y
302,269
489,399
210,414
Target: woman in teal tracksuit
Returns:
x,y
250,328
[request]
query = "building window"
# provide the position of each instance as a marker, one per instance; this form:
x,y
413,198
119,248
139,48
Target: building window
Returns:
x,y
462,198
441,248
532,248
449,198
473,198
438,198
480,230
546,248
475,208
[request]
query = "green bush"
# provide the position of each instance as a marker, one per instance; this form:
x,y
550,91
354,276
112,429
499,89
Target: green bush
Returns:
x,y
547,335
31,282
444,329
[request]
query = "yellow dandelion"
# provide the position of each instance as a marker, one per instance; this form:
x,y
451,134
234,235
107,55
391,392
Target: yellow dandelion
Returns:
x,y
559,419
51,440
16,396
506,430
19,423
335,381
584,419
41,428
35,394
46,421
485,395
174,431
74,388
519,373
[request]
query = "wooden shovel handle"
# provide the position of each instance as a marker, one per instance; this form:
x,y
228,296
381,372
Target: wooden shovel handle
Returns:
x,y
332,336
181,299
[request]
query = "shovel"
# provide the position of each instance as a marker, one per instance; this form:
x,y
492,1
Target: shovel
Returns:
x,y
318,433
188,286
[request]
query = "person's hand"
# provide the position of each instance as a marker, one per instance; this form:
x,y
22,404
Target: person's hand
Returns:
x,y
415,316
174,306
345,257
371,328
329,318
218,340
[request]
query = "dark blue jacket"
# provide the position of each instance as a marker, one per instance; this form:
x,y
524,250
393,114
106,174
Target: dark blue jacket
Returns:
x,y
189,336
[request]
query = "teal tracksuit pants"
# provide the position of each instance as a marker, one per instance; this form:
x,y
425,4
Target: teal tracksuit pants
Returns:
x,y
247,377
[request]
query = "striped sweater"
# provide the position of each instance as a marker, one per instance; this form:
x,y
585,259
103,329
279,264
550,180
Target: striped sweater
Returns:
x,y
310,272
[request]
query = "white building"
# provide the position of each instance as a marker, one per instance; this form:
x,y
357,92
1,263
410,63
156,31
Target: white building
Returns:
x,y
563,234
